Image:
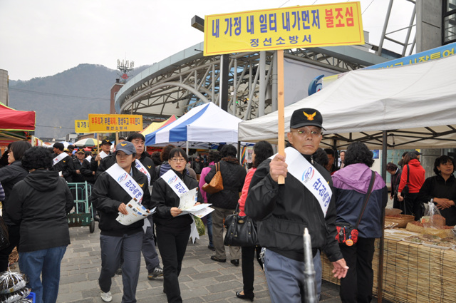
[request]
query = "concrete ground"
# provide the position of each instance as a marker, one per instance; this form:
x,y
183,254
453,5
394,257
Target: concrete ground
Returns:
x,y
201,279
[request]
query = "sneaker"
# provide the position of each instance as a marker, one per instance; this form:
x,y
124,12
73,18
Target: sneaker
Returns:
x,y
106,296
119,271
157,272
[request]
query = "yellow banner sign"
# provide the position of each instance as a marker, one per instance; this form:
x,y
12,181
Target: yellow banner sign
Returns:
x,y
81,126
115,123
284,28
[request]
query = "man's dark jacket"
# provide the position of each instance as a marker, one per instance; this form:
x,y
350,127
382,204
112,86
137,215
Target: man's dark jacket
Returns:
x,y
283,211
41,203
9,176
78,166
233,176
107,195
166,198
65,166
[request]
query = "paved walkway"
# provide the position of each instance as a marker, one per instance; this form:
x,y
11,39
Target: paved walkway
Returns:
x,y
201,279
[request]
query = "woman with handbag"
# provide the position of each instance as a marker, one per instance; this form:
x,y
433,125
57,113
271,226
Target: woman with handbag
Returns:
x,y
224,202
213,157
412,178
261,151
173,229
361,196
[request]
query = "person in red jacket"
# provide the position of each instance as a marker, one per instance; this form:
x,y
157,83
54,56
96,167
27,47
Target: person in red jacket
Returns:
x,y
410,205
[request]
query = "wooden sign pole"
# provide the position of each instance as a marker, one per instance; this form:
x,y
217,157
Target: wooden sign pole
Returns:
x,y
117,138
98,149
281,107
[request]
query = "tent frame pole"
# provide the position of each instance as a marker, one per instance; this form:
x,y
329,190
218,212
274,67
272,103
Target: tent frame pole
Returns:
x,y
382,239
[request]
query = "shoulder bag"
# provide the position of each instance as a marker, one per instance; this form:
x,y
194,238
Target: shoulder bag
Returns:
x,y
405,190
240,231
348,234
216,183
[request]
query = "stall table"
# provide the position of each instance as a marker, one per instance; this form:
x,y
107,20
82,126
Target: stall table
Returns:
x,y
412,272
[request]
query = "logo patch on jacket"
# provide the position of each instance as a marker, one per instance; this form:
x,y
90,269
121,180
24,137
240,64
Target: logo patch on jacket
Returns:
x,y
149,166
140,184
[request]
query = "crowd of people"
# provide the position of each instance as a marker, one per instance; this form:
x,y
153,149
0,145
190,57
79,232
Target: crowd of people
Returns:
x,y
36,201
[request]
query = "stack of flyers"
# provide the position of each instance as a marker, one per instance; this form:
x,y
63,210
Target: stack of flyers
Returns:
x,y
136,212
188,199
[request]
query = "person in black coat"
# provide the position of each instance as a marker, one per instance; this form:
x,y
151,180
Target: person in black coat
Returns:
x,y
173,229
9,176
78,163
149,251
225,201
41,203
396,174
441,189
117,240
65,165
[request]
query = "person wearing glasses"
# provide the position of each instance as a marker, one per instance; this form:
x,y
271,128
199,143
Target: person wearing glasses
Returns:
x,y
173,228
283,211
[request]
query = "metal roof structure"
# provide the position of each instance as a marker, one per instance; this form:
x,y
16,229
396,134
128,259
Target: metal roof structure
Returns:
x,y
185,79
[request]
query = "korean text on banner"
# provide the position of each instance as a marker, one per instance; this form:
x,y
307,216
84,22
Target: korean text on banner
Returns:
x,y
81,126
115,123
284,28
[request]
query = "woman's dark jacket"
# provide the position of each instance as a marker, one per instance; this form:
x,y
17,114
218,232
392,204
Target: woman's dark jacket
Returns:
x,y
40,204
166,198
9,176
437,187
233,176
350,187
107,195
283,211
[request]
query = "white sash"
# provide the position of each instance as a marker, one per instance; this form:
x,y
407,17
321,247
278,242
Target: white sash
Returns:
x,y
301,169
126,182
59,158
103,155
142,169
176,184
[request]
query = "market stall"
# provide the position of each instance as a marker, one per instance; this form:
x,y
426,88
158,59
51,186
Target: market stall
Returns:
x,y
414,104
201,127
411,272
403,107
15,125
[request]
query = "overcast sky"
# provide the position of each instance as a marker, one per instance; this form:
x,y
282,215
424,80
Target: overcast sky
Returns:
x,y
42,38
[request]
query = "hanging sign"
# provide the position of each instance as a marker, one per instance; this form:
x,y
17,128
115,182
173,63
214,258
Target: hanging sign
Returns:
x,y
115,123
284,28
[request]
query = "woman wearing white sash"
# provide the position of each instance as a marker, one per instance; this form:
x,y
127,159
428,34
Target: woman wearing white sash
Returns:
x,y
111,193
173,231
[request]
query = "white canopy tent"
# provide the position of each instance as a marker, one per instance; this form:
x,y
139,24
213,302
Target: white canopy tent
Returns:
x,y
206,123
415,104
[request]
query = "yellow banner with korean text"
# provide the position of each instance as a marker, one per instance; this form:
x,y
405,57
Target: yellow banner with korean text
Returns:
x,y
284,28
115,123
81,126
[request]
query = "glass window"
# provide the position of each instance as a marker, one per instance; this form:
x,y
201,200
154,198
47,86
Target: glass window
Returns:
x,y
451,5
449,30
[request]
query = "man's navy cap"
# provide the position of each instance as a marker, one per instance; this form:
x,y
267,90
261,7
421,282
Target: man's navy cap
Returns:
x,y
105,141
306,117
126,147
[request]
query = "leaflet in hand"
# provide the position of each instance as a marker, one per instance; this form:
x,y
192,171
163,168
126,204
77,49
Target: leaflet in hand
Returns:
x,y
136,211
200,210
188,199
103,155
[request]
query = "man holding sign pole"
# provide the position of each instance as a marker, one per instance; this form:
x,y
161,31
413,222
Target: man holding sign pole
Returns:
x,y
283,211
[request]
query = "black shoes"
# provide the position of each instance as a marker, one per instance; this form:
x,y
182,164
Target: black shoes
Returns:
x,y
214,258
211,247
235,262
244,296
